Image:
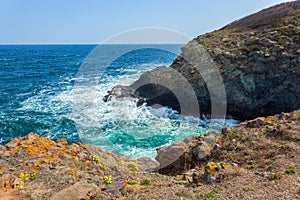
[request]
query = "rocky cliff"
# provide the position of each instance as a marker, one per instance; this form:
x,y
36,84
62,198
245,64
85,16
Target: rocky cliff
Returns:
x,y
257,58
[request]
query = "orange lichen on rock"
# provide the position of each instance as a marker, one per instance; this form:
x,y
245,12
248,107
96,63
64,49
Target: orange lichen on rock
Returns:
x,y
206,148
219,141
44,160
60,150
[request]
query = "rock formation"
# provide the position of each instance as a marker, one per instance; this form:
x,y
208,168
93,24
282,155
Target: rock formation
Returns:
x,y
257,58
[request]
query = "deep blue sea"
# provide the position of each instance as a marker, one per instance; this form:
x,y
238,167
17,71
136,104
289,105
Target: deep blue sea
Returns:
x,y
37,95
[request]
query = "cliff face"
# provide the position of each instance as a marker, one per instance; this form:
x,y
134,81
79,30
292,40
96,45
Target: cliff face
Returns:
x,y
258,58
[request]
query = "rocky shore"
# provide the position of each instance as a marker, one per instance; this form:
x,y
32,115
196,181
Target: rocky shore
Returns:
x,y
258,58
258,159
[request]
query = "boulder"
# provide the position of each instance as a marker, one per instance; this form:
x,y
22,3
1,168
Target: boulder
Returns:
x,y
182,156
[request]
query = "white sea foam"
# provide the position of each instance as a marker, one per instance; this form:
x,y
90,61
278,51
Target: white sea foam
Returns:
x,y
116,125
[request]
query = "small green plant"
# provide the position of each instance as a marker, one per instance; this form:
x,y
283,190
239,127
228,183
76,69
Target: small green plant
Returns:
x,y
252,198
131,181
89,168
122,163
252,166
18,186
145,182
96,159
261,134
132,165
200,195
275,176
271,166
290,170
107,179
103,166
234,130
213,193
269,128
248,188
32,176
24,177
185,194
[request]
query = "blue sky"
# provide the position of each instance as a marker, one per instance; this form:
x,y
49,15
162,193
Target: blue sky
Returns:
x,y
92,21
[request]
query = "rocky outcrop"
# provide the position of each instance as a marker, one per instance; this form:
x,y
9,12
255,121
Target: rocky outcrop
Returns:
x,y
182,156
257,58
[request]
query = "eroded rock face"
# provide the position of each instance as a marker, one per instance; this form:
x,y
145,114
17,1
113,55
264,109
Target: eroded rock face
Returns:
x,y
258,63
182,156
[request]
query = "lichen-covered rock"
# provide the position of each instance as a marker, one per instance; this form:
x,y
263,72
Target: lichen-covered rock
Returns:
x,y
214,170
182,156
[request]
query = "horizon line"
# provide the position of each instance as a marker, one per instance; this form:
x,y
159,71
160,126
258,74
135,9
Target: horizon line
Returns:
x,y
86,43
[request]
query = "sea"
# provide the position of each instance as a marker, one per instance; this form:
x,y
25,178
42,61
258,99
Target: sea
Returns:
x,y
37,84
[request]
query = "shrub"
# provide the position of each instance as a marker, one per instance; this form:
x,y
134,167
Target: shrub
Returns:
x,y
145,182
107,179
131,181
32,176
275,176
96,159
290,170
132,165
213,193
185,194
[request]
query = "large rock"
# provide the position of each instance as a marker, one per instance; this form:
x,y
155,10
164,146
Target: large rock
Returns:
x,y
182,156
257,58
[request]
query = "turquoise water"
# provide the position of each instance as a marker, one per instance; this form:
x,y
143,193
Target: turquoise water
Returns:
x,y
36,95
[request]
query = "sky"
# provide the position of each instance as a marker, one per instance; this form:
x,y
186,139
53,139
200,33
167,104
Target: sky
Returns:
x,y
93,21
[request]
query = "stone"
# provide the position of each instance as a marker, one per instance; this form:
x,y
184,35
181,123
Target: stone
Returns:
x,y
78,191
147,164
226,130
260,121
214,171
182,156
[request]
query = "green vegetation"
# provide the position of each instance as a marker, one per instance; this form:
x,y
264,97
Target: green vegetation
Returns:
x,y
32,176
271,166
261,134
132,165
145,182
211,194
143,198
248,188
96,159
275,176
234,130
269,128
103,166
290,170
131,182
23,177
185,194
107,179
